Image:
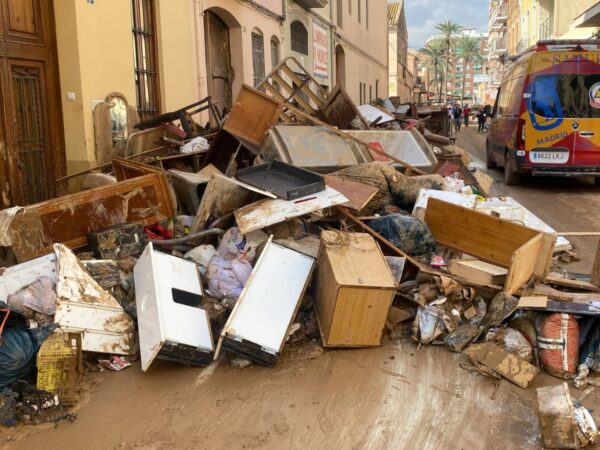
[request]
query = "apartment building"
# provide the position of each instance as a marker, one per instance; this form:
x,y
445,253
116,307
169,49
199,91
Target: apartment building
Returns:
x,y
361,48
401,71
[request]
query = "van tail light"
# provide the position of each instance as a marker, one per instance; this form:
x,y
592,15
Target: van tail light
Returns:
x,y
521,135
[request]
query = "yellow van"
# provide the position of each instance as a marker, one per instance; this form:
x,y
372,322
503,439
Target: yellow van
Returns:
x,y
546,119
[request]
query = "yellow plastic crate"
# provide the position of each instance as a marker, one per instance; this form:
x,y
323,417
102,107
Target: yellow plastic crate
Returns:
x,y
60,365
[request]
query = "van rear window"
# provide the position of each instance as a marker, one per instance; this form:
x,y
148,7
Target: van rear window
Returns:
x,y
566,96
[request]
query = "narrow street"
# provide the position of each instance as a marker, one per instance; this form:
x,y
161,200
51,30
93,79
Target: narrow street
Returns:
x,y
393,397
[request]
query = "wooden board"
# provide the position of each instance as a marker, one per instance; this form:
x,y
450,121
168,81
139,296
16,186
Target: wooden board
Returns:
x,y
252,115
556,416
68,219
358,194
503,363
489,238
126,169
544,261
478,271
359,317
350,254
522,264
571,283
339,110
264,213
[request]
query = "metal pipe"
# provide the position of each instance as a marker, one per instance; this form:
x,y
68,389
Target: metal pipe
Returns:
x,y
189,237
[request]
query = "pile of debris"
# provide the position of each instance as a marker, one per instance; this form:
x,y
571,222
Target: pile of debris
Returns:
x,y
294,219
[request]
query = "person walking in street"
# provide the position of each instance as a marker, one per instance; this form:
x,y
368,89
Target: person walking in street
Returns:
x,y
456,111
481,117
466,114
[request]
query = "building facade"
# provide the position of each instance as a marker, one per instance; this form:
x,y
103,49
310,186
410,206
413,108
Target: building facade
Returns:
x,y
401,71
497,47
361,48
308,38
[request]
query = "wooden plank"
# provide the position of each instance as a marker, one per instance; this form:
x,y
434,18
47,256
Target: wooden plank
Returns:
x,y
489,238
544,261
314,97
522,264
358,194
125,169
556,416
596,267
264,213
252,115
537,301
325,290
297,98
506,364
479,271
570,283
68,219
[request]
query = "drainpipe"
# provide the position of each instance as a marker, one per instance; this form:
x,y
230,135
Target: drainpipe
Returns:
x,y
201,69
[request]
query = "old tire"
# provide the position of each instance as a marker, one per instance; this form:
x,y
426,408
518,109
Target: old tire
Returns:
x,y
489,161
511,176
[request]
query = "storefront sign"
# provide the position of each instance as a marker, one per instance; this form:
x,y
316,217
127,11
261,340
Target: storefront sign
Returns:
x,y
321,50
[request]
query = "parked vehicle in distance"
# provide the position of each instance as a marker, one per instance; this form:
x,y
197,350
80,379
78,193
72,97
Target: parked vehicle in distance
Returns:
x,y
546,119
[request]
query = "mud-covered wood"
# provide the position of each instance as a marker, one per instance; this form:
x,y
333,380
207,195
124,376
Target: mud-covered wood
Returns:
x,y
68,219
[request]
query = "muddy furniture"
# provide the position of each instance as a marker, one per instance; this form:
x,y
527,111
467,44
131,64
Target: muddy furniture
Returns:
x,y
354,289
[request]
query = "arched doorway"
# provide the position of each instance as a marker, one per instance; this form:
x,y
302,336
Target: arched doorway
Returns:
x,y
340,65
221,33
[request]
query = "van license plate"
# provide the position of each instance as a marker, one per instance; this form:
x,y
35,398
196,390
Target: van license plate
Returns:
x,y
545,157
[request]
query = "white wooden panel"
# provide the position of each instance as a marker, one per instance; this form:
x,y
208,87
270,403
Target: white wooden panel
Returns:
x,y
270,298
160,318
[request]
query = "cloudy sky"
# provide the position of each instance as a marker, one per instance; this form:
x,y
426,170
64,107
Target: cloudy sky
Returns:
x,y
423,15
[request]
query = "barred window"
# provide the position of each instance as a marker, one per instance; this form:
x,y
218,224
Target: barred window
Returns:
x,y
274,52
145,58
299,38
258,57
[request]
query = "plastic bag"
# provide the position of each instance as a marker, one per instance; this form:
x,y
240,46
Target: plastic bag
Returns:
x,y
408,233
201,255
39,296
17,352
230,268
197,144
512,341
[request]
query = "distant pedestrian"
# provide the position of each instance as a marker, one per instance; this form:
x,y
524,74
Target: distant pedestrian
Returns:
x,y
466,114
456,112
481,117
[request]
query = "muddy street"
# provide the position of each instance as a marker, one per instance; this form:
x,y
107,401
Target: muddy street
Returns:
x,y
395,396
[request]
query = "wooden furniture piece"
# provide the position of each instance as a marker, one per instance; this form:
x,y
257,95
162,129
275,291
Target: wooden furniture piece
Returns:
x,y
113,123
491,239
144,199
252,115
354,289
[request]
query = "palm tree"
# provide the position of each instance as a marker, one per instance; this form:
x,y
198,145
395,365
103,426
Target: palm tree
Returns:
x,y
433,56
467,51
448,30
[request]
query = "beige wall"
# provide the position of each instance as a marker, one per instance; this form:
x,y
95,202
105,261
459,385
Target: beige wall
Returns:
x,y
95,58
95,52
366,50
393,65
566,12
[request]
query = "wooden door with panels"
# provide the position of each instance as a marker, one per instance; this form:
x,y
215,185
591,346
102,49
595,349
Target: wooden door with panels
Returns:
x,y
31,129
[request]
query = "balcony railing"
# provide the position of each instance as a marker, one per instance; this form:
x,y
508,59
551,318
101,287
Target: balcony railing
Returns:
x,y
522,45
547,28
313,3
